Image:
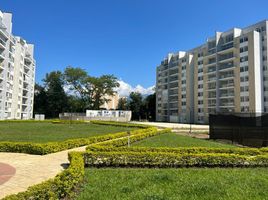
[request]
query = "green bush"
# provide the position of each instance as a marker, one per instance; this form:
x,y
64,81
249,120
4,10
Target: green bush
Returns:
x,y
124,124
164,160
140,134
52,147
181,150
61,187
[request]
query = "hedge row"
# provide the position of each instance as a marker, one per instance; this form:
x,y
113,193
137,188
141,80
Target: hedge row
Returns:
x,y
113,123
60,187
181,150
165,160
140,135
52,147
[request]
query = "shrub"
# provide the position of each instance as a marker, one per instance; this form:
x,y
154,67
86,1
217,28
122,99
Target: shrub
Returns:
x,y
60,187
180,150
164,160
124,124
52,147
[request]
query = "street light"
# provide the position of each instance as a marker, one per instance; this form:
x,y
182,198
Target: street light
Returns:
x,y
190,122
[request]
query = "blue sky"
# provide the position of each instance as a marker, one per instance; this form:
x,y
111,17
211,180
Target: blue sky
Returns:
x,y
127,38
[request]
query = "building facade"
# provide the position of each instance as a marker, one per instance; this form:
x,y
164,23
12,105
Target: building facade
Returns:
x,y
228,73
17,73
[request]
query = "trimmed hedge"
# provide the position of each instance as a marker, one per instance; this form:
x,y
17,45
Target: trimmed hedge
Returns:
x,y
52,147
149,132
181,150
164,160
60,187
124,124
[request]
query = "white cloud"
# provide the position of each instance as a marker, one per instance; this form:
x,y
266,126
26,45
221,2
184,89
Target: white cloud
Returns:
x,y
125,89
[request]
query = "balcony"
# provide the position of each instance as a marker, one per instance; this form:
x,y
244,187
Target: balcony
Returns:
x,y
226,57
2,56
225,47
2,44
226,75
227,95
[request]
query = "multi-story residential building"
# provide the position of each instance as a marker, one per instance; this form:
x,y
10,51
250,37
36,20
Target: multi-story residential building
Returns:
x,y
17,73
228,73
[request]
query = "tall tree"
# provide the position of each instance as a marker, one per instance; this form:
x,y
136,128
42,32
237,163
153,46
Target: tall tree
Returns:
x,y
122,104
135,105
56,96
149,104
93,91
40,99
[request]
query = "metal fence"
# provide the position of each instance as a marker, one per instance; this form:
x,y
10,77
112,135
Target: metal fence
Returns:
x,y
249,129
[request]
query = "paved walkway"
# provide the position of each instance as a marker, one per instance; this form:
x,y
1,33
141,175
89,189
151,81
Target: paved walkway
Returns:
x,y
30,169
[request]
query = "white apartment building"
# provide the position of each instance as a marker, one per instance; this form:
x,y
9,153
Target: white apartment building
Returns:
x,y
17,73
228,73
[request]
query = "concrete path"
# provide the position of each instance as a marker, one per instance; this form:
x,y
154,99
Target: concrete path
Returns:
x,y
30,169
176,125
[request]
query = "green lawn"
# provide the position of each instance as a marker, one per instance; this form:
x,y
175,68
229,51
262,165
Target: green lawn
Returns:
x,y
48,132
171,184
174,140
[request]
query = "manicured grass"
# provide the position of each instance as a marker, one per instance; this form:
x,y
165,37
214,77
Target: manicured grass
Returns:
x,y
175,184
48,132
174,140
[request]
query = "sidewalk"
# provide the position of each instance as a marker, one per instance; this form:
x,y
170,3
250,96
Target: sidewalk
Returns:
x,y
32,169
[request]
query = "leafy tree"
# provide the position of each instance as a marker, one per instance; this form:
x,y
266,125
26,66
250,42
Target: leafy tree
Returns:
x,y
56,96
40,99
149,104
122,104
93,91
135,105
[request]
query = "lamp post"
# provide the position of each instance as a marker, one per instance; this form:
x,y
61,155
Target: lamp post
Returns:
x,y
190,122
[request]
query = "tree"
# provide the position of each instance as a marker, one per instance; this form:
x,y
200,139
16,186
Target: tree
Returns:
x,y
122,104
135,105
149,104
93,91
40,99
56,96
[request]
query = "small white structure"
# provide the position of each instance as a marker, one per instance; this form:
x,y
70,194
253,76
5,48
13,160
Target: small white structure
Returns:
x,y
111,115
39,117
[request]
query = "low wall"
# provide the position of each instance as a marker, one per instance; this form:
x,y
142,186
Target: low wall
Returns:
x,y
84,118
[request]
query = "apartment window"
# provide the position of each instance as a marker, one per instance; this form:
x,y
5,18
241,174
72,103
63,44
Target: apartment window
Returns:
x,y
244,109
265,68
244,99
183,67
244,69
200,86
183,60
265,88
265,78
264,58
200,102
183,103
200,78
200,62
200,54
244,89
183,96
200,110
183,82
229,38
200,70
183,89
200,94
244,59
244,49
244,79
243,39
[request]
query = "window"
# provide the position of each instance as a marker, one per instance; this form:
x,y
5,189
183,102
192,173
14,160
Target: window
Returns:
x,y
244,69
200,62
200,110
200,86
200,102
200,94
244,49
244,99
183,82
200,54
200,70
244,59
200,78
243,39
183,96
244,79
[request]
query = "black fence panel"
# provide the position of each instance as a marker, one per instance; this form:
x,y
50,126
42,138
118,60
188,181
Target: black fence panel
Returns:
x,y
250,129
